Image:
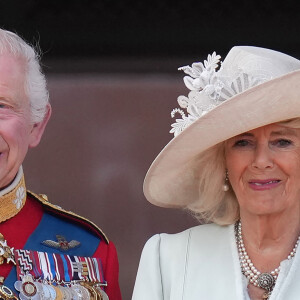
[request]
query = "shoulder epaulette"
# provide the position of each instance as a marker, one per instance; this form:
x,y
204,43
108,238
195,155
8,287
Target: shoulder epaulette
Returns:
x,y
43,199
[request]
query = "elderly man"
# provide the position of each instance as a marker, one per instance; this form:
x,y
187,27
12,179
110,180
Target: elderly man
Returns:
x,y
45,251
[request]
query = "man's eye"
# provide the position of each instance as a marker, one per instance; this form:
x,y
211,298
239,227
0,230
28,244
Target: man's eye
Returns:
x,y
3,105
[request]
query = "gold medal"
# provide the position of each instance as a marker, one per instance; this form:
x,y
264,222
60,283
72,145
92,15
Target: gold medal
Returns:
x,y
5,292
93,293
98,289
59,294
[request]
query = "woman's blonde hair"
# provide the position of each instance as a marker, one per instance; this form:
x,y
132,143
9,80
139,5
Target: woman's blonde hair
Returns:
x,y
214,204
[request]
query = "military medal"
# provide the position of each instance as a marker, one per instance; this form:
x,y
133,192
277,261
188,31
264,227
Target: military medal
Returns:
x,y
98,289
59,293
6,253
75,296
95,290
28,288
45,293
81,291
66,292
93,293
5,292
51,290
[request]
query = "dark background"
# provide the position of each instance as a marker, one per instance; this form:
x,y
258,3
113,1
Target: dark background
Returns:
x,y
113,80
73,29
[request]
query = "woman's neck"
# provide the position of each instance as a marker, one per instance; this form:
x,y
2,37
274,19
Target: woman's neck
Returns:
x,y
269,239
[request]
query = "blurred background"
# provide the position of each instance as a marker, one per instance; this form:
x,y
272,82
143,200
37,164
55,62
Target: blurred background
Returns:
x,y
113,81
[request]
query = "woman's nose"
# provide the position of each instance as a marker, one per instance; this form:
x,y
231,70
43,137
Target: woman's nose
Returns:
x,y
262,157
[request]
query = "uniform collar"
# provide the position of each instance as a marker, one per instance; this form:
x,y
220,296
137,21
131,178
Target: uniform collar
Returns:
x,y
13,197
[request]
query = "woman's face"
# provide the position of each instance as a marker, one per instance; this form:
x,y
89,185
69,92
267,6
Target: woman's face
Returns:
x,y
264,169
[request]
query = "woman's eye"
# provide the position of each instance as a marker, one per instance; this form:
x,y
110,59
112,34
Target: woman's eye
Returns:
x,y
241,143
282,143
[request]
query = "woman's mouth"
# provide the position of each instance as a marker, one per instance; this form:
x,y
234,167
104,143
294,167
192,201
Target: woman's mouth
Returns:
x,y
267,184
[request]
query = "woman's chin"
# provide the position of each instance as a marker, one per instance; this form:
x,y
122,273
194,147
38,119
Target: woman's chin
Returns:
x,y
264,207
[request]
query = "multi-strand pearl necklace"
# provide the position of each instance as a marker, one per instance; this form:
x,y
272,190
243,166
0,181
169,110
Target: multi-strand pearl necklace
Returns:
x,y
263,280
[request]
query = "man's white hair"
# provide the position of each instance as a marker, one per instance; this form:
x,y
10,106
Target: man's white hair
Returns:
x,y
35,83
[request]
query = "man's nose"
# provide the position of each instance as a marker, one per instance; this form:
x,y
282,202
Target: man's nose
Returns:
x,y
262,158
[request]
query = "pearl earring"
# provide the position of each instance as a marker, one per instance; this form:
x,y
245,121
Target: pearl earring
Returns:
x,y
226,185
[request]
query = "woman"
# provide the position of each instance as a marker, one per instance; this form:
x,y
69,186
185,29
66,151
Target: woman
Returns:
x,y
235,163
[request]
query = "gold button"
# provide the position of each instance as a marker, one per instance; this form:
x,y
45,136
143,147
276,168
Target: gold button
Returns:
x,y
45,197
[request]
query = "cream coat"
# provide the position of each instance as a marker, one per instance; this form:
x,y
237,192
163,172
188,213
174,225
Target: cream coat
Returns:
x,y
202,263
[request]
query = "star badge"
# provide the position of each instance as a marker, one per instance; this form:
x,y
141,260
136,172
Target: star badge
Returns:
x,y
61,243
6,253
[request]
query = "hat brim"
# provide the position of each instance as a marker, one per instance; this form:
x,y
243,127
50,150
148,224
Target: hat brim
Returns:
x,y
169,181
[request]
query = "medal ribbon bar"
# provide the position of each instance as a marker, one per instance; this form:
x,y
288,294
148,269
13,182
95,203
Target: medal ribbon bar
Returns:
x,y
55,267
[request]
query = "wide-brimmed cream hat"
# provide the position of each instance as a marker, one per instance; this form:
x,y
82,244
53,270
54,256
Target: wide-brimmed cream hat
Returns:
x,y
253,87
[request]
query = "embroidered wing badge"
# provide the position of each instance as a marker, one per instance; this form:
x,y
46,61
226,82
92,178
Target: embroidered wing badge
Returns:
x,y
61,243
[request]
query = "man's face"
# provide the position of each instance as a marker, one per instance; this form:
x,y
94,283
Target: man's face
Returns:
x,y
17,132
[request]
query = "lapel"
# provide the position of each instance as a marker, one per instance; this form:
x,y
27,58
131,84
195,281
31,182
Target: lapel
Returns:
x,y
288,283
212,265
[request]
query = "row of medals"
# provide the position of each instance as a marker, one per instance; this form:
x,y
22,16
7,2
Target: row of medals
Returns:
x,y
36,290
75,291
45,291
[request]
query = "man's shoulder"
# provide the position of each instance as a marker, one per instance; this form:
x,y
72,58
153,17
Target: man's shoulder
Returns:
x,y
68,216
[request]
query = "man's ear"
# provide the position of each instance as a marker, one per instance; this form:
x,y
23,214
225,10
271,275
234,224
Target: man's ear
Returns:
x,y
38,128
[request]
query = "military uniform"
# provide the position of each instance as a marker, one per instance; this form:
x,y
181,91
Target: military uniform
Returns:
x,y
52,246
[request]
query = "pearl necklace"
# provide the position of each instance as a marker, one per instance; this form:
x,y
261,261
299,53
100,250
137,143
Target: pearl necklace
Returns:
x,y
265,280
